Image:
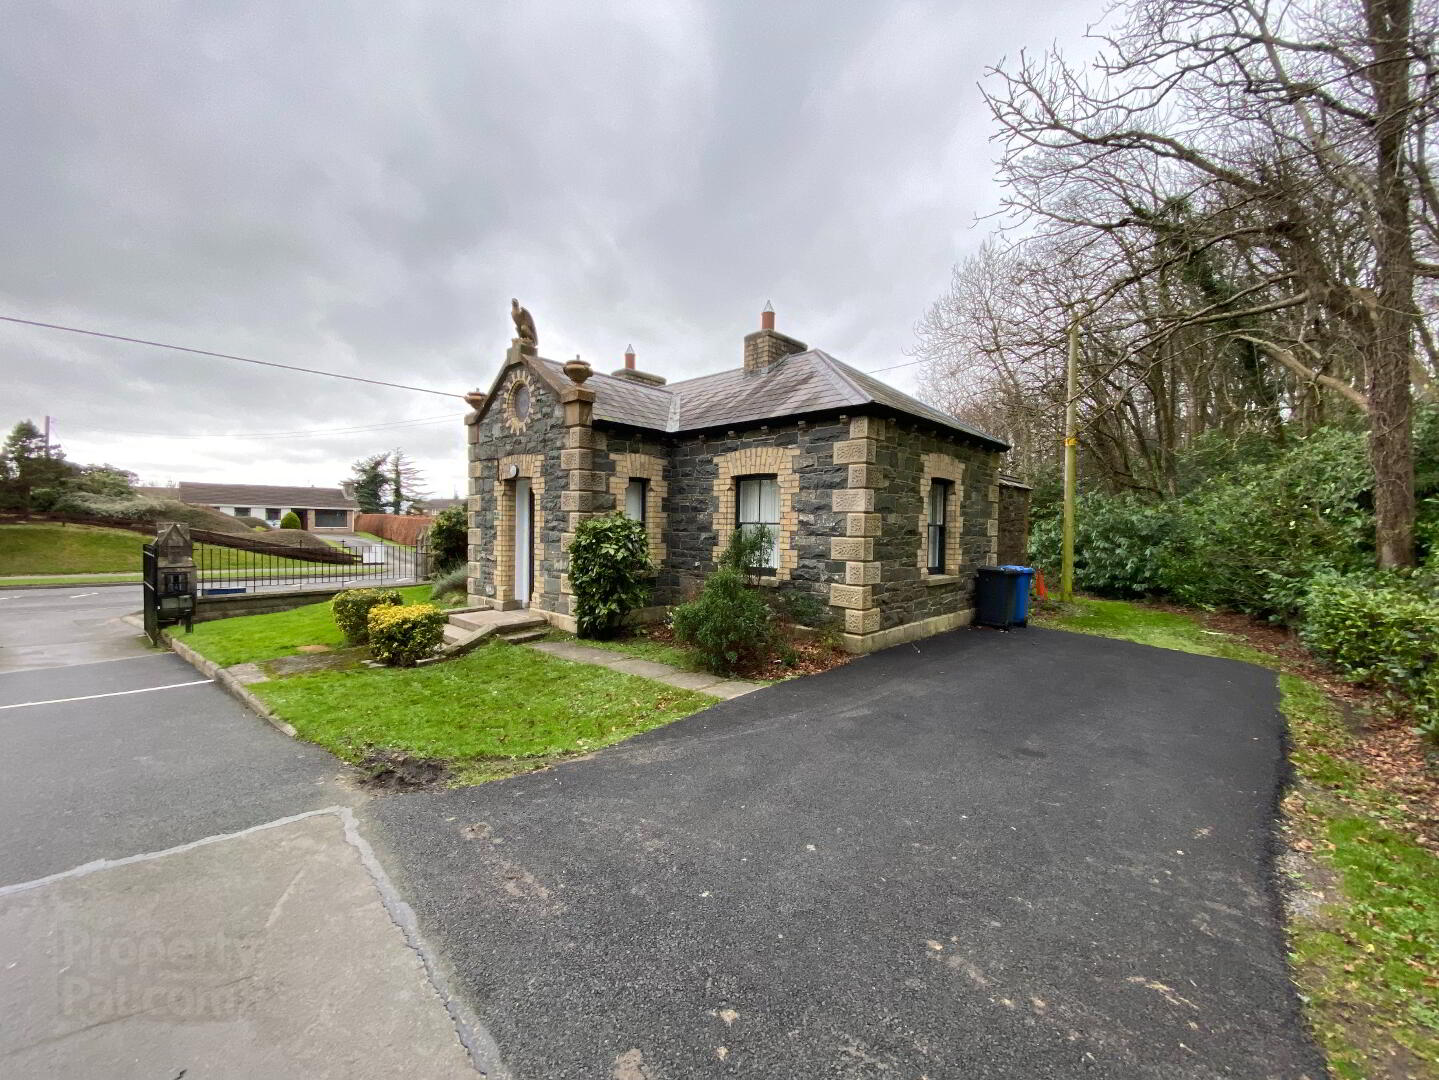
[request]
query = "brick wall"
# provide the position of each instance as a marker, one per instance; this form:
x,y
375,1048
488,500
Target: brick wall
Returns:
x,y
401,528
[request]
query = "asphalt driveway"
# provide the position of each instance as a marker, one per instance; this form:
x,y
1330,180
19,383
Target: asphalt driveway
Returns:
x,y
986,855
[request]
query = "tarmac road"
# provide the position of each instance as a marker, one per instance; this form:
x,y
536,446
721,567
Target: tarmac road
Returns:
x,y
184,890
983,855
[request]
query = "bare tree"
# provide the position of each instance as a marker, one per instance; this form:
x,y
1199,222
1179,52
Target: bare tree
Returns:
x,y
1238,197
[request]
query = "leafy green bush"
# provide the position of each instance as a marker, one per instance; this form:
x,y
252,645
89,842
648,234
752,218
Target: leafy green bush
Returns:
x,y
404,634
449,539
291,520
609,571
729,625
1379,630
352,610
1250,539
456,582
1120,544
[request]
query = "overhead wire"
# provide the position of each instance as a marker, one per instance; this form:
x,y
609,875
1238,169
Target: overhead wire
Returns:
x,y
300,433
224,356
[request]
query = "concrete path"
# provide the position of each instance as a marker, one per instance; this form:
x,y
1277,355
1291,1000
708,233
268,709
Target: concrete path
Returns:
x,y
714,685
183,890
986,855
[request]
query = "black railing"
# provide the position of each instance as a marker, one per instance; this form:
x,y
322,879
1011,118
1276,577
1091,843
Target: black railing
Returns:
x,y
227,570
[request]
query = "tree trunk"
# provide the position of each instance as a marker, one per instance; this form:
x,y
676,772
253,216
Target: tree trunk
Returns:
x,y
1391,356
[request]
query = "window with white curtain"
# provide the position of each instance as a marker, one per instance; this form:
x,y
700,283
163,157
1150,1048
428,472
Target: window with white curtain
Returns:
x,y
938,523
758,507
635,492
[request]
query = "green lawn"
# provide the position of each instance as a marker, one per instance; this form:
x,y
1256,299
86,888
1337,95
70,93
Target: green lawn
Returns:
x,y
1367,962
382,540
265,637
71,579
498,710
67,549
53,550
1148,626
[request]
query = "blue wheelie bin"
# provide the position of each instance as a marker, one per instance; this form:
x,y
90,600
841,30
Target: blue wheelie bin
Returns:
x,y
1024,578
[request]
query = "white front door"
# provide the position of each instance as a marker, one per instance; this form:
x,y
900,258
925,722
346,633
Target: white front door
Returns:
x,y
524,522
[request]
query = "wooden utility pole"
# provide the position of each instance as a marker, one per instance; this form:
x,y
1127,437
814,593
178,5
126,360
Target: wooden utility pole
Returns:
x,y
1071,461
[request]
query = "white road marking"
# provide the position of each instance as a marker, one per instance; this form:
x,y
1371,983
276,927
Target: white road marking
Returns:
x,y
108,864
83,663
113,693
76,596
483,1050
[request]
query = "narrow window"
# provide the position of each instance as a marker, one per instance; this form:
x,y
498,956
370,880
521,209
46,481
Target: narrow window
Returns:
x,y
758,508
635,492
273,513
938,523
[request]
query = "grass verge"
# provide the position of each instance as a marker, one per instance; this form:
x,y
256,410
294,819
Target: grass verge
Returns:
x,y
1364,890
71,579
251,638
59,550
499,710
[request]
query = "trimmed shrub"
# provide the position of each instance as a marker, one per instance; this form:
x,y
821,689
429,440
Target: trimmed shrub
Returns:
x,y
449,540
402,635
291,520
1379,630
729,625
352,610
457,581
609,572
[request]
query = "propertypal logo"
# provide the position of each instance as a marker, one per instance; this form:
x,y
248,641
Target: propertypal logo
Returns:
x,y
156,975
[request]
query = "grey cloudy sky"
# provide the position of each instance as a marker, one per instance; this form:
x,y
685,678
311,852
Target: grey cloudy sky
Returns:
x,y
362,187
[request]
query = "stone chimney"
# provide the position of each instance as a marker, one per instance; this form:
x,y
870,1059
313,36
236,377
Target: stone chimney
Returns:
x,y
767,347
629,371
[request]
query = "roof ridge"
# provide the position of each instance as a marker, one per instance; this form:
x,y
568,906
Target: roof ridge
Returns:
x,y
837,370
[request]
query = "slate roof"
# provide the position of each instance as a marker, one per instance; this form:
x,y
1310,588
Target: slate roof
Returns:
x,y
807,382
265,495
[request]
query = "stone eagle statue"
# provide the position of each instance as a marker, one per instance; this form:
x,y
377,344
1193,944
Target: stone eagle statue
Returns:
x,y
524,322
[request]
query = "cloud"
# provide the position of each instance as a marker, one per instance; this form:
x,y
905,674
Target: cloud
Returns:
x,y
363,188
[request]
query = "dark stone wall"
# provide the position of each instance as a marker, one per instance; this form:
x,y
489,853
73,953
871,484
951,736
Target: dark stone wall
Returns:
x,y
1013,525
544,434
904,594
692,503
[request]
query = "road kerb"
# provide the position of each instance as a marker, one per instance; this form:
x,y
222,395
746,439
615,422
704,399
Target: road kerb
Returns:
x,y
232,685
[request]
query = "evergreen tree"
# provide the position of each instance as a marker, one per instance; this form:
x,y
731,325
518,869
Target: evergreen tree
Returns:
x,y
407,484
371,482
26,463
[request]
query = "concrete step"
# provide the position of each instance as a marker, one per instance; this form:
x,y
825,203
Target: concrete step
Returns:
x,y
452,633
496,620
522,636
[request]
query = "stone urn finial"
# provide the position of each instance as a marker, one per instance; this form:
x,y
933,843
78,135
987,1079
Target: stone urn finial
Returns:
x,y
578,370
475,399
